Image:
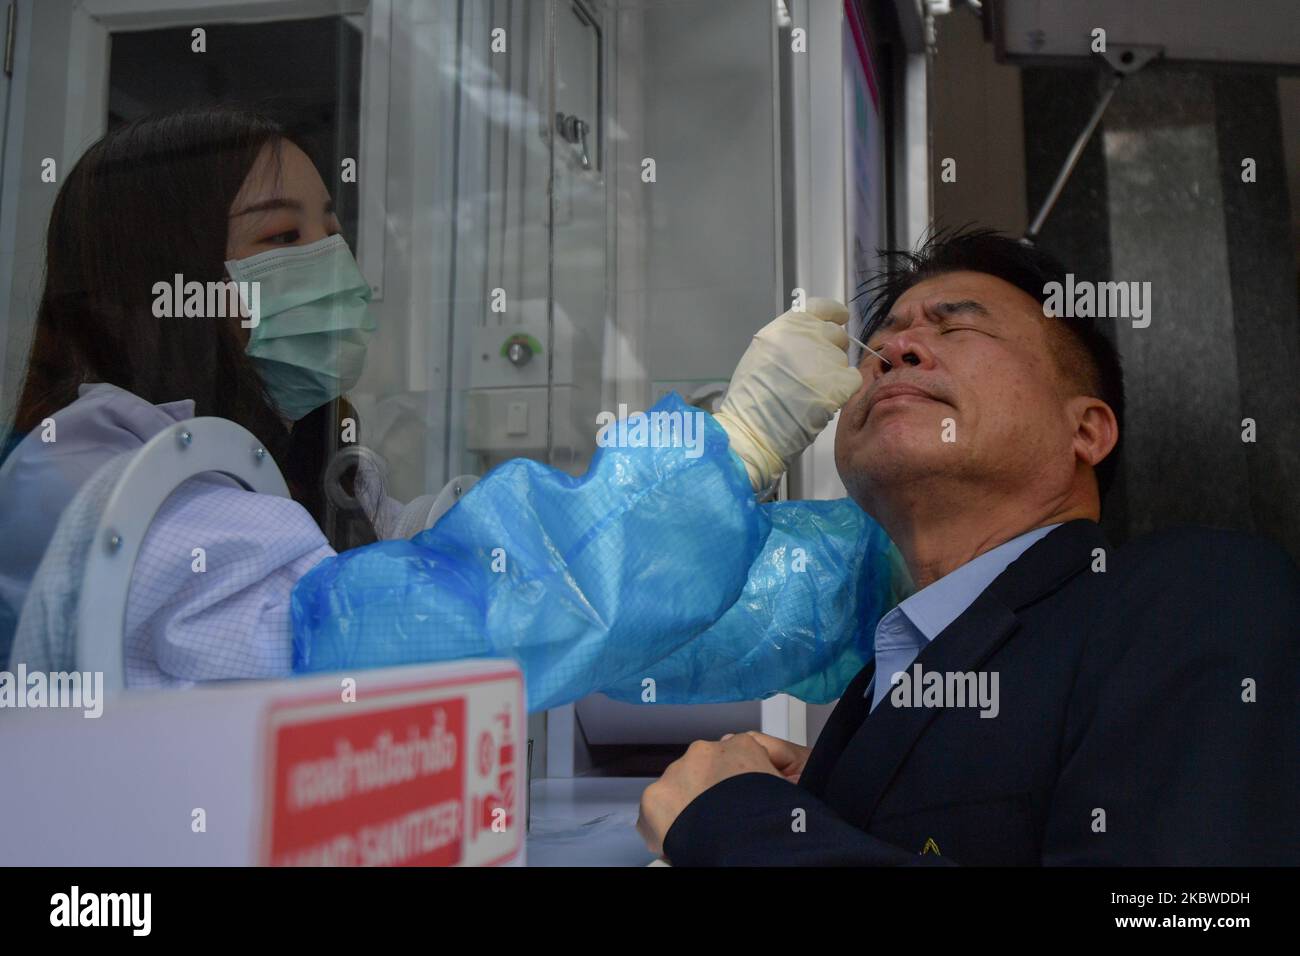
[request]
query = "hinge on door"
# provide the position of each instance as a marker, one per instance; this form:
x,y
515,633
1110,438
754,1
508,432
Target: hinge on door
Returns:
x,y
9,38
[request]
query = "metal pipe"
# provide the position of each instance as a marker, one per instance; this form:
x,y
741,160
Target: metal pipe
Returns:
x,y
1073,159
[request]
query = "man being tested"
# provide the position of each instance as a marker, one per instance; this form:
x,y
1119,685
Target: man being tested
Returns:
x,y
1147,708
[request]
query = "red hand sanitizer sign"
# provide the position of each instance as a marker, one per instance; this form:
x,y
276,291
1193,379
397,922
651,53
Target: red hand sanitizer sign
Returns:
x,y
395,777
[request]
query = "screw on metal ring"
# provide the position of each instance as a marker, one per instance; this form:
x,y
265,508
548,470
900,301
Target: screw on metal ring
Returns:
x,y
185,438
114,542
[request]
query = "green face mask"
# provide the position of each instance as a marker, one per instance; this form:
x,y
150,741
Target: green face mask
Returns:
x,y
312,322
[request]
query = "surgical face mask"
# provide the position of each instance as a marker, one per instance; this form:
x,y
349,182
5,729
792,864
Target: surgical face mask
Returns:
x,y
308,335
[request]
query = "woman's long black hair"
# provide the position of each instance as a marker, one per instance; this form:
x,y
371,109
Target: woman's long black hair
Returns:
x,y
148,201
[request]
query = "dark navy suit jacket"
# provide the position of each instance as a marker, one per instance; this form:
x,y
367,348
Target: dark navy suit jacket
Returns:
x,y
1148,714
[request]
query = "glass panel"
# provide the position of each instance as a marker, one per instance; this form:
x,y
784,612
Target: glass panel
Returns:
x,y
673,243
307,71
558,208
306,75
696,266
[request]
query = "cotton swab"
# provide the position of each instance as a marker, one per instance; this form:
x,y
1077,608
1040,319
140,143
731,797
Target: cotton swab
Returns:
x,y
871,350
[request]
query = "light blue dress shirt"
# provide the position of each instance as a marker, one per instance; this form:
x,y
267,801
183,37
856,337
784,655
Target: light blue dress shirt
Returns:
x,y
908,628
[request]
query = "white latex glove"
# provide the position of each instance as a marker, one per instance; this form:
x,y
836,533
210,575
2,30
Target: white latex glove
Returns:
x,y
790,382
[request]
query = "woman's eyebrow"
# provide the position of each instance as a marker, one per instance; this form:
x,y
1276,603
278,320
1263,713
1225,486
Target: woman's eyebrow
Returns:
x,y
266,205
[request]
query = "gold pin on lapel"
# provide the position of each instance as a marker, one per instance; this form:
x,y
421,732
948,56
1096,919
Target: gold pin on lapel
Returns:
x,y
930,847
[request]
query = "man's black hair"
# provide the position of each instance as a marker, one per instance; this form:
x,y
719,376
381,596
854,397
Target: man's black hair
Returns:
x,y
1029,269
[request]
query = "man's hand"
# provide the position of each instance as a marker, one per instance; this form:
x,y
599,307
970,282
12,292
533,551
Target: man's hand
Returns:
x,y
787,758
704,764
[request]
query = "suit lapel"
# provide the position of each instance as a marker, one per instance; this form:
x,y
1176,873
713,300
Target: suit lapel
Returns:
x,y
856,777
888,735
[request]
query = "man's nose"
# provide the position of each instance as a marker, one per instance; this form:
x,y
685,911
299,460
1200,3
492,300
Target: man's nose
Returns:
x,y
904,349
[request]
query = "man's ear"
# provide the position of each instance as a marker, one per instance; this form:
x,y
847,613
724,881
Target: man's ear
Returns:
x,y
1096,430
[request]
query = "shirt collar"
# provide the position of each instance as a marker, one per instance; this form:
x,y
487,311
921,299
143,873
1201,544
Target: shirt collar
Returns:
x,y
938,604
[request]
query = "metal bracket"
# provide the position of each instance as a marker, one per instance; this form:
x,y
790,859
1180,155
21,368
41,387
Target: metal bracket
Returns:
x,y
1128,58
166,461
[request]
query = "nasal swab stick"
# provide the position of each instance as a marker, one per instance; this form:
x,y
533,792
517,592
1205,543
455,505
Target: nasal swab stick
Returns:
x,y
871,350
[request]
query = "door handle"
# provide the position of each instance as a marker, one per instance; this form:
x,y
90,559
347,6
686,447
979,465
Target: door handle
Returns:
x,y
574,130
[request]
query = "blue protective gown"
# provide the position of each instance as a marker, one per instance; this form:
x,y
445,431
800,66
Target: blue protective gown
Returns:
x,y
655,577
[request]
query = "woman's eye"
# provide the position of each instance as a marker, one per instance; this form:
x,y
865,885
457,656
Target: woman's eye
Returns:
x,y
283,238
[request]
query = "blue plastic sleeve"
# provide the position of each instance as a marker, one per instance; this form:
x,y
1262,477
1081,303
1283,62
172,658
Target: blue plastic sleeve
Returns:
x,y
582,580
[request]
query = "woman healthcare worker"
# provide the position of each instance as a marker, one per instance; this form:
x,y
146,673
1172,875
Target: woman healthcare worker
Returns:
x,y
666,570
